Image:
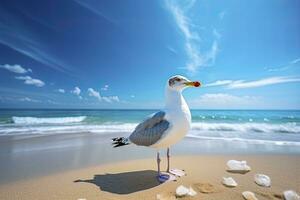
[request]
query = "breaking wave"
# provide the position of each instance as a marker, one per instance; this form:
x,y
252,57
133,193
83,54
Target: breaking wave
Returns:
x,y
48,120
247,127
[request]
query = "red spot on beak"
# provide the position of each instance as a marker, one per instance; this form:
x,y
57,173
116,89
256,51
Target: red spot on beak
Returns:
x,y
196,83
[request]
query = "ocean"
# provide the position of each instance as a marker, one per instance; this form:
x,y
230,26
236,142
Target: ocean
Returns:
x,y
278,127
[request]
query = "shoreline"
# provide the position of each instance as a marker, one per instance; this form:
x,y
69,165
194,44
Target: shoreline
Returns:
x,y
135,179
25,157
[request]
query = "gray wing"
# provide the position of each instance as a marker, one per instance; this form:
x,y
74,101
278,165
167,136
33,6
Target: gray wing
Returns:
x,y
150,131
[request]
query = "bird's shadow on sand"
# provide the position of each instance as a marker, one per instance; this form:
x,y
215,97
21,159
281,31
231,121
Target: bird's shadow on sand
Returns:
x,y
124,183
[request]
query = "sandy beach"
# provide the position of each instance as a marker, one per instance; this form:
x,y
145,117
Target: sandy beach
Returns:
x,y
136,180
90,168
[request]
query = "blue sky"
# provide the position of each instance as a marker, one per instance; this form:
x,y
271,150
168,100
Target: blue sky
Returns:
x,y
119,54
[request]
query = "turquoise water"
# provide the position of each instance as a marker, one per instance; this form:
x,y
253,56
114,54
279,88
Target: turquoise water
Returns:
x,y
256,126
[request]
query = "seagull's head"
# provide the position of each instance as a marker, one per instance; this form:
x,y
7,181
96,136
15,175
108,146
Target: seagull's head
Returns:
x,y
179,83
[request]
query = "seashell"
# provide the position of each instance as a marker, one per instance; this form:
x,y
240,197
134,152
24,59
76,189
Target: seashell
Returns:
x,y
181,191
229,182
192,192
178,172
249,195
238,166
291,195
262,180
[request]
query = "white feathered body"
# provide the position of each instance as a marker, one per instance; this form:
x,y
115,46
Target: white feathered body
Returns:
x,y
178,115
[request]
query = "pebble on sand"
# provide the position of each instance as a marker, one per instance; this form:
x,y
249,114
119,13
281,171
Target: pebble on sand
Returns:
x,y
238,166
249,195
229,182
262,180
291,195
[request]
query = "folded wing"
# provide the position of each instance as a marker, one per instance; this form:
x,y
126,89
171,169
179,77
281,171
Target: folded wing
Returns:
x,y
151,130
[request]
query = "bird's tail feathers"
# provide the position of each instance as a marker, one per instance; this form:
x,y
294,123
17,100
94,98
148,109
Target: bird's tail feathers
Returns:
x,y
120,141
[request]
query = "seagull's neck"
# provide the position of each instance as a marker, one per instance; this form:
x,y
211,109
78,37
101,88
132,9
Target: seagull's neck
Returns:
x,y
174,99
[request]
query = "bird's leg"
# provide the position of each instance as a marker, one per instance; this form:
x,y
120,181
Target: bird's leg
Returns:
x,y
158,164
161,177
176,172
168,157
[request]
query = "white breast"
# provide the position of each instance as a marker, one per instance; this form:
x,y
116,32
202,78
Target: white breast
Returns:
x,y
180,122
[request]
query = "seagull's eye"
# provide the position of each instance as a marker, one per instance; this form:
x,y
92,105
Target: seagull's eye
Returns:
x,y
177,79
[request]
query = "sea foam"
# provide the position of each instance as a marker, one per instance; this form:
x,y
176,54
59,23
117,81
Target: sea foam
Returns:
x,y
247,127
48,120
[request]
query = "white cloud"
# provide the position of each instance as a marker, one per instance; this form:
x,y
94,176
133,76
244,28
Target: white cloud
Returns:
x,y
295,61
196,59
239,84
172,50
218,83
105,88
262,82
27,99
15,68
94,93
224,100
61,90
31,81
108,99
93,9
284,67
76,91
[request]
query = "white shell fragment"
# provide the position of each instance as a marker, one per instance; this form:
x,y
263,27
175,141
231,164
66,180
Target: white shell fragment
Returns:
x,y
177,172
229,182
183,191
262,180
238,166
291,195
192,192
249,195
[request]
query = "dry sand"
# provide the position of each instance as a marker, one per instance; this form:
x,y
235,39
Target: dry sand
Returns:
x,y
136,179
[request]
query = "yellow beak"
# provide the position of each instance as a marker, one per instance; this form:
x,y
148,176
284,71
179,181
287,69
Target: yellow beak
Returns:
x,y
193,84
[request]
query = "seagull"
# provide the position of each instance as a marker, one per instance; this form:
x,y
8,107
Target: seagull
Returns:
x,y
163,129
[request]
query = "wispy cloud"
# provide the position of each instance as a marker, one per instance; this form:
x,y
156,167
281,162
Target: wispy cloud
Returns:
x,y
15,68
27,99
262,82
31,81
284,67
224,100
172,50
295,61
105,87
218,83
109,99
61,90
93,9
240,84
197,59
16,35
